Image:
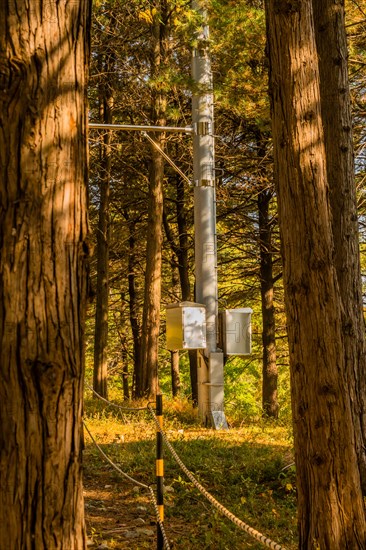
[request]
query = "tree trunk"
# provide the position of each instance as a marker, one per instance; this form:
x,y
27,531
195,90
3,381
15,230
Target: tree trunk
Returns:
x,y
193,365
137,385
330,504
336,114
184,277
124,359
174,362
174,355
270,371
181,252
102,294
151,312
43,272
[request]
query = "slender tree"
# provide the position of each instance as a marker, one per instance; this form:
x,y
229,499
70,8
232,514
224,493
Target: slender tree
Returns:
x,y
174,354
151,313
269,370
133,306
43,274
180,246
330,504
103,233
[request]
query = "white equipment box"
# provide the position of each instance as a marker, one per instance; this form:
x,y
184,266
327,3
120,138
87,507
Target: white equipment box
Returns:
x,y
236,331
185,326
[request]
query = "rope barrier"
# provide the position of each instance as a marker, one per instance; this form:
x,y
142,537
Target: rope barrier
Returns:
x,y
238,522
224,511
133,480
112,463
160,523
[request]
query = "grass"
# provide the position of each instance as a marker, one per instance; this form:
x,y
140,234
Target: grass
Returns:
x,y
248,469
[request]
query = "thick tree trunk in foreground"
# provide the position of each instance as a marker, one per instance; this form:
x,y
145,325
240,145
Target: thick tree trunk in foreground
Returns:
x,y
270,370
43,279
336,114
330,504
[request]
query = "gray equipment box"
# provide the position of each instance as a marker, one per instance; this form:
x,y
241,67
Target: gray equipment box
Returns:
x,y
236,331
185,326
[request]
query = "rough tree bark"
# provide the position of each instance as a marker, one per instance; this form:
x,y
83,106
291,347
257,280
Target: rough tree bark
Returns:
x,y
336,115
330,504
43,272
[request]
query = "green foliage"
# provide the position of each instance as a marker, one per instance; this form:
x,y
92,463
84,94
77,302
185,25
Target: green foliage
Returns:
x,y
238,49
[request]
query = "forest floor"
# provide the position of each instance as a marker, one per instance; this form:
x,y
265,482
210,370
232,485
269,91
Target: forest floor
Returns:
x,y
249,469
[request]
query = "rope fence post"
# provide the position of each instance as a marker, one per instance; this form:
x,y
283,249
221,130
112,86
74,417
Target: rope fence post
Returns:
x,y
159,470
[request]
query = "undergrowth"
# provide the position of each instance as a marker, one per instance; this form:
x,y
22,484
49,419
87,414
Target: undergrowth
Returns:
x,y
248,468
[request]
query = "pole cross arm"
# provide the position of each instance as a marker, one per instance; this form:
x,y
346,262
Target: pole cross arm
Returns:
x,y
141,127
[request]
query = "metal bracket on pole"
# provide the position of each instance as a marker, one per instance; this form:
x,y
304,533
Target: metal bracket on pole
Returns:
x,y
167,158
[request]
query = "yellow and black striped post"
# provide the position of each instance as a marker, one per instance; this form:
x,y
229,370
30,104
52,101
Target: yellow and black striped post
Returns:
x,y
160,469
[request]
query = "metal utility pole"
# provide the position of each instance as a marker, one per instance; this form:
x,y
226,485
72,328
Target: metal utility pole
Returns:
x,y
211,360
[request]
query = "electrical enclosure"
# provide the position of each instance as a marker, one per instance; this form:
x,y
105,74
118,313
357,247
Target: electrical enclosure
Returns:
x,y
236,331
185,326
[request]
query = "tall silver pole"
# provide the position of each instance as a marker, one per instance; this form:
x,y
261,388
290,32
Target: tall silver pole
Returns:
x,y
211,362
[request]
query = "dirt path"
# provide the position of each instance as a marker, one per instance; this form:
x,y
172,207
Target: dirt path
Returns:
x,y
118,516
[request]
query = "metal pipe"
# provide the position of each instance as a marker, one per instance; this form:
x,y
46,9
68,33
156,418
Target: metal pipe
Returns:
x,y
141,127
167,158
